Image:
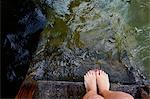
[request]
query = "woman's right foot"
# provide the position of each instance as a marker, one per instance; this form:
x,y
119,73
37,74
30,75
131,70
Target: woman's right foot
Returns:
x,y
102,81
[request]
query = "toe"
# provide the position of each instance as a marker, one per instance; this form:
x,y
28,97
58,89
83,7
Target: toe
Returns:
x,y
85,76
93,72
105,73
97,73
89,72
101,72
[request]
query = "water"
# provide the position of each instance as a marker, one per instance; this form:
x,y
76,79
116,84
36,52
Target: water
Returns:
x,y
139,19
111,27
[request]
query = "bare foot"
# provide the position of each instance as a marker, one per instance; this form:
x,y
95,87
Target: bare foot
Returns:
x,y
90,81
102,81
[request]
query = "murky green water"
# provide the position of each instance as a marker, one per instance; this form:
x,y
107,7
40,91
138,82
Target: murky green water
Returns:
x,y
111,26
139,19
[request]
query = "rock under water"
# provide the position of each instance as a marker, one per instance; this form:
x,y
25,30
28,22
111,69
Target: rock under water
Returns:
x,y
21,24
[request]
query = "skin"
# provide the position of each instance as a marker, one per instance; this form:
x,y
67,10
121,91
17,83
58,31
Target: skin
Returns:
x,y
100,79
90,85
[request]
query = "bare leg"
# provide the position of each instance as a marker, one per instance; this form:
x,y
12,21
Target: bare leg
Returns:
x,y
90,85
104,85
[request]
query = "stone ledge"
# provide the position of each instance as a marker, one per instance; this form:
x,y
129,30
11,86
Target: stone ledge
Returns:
x,y
76,90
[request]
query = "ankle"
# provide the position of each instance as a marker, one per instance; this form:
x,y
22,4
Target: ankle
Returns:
x,y
92,91
89,94
105,92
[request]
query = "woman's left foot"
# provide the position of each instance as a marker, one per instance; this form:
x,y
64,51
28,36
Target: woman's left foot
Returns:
x,y
90,81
